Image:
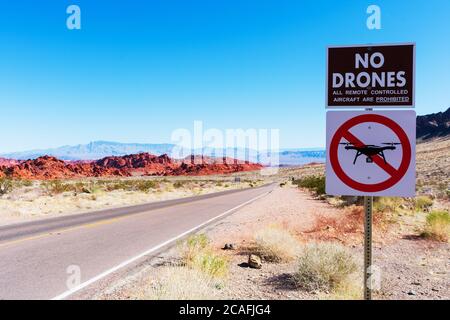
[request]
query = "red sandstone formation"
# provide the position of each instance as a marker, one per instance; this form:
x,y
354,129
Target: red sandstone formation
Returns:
x,y
47,167
8,162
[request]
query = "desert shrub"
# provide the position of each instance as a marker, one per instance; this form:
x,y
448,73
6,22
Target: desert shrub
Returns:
x,y
178,184
437,226
146,185
324,266
314,183
22,183
423,203
6,186
115,185
210,263
178,283
129,185
83,187
276,245
351,289
192,246
197,254
387,204
53,187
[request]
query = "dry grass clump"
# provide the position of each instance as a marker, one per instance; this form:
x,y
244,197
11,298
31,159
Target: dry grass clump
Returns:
x,y
276,245
178,283
197,277
197,254
324,267
351,289
388,204
437,226
423,203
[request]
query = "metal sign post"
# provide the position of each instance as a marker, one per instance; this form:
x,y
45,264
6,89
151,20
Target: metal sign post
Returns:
x,y
368,204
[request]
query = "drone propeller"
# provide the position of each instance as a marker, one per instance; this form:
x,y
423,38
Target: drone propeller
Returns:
x,y
391,143
345,143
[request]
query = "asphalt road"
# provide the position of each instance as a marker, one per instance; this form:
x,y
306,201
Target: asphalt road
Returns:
x,y
55,258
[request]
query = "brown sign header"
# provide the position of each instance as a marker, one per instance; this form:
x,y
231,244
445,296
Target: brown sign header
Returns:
x,y
371,76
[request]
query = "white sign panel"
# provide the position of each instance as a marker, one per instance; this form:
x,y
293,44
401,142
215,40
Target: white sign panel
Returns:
x,y
371,153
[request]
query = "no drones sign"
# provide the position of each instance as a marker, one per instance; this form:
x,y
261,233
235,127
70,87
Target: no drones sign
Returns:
x,y
371,76
371,153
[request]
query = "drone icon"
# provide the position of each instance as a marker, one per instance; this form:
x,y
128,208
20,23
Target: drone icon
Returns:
x,y
370,150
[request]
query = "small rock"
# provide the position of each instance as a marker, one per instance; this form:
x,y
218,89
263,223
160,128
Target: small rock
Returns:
x,y
435,290
254,261
411,293
229,246
416,283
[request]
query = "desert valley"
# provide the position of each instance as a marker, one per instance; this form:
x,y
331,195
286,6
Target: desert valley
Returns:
x,y
294,243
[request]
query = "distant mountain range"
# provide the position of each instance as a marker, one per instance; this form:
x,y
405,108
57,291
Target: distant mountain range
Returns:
x,y
100,149
428,127
92,151
435,125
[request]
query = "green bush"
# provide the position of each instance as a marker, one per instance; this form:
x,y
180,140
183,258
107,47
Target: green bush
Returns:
x,y
6,186
437,226
324,266
314,183
210,263
193,245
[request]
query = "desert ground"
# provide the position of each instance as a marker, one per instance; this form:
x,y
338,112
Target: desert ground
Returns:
x,y
31,200
309,246
294,243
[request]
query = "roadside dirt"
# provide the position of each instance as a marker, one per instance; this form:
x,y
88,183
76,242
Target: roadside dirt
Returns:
x,y
410,268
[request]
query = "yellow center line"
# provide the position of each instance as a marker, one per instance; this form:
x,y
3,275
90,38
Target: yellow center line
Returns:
x,y
51,233
91,225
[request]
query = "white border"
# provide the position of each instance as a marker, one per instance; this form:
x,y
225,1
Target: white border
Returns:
x,y
413,104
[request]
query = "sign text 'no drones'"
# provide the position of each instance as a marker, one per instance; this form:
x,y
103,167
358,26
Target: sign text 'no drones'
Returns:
x,y
370,76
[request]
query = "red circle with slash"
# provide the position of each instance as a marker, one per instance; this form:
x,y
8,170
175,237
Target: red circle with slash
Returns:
x,y
395,174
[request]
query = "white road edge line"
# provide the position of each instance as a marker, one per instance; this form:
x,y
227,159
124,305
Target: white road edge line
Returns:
x,y
123,264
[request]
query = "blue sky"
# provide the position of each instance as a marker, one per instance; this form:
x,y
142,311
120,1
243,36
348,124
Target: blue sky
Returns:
x,y
137,70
